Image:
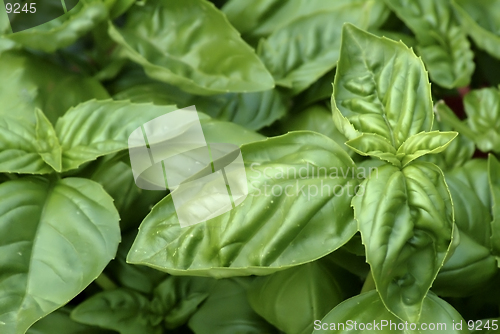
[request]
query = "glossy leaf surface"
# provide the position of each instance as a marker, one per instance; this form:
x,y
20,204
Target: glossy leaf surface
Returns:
x,y
380,87
172,47
368,309
270,230
289,298
406,222
58,237
443,44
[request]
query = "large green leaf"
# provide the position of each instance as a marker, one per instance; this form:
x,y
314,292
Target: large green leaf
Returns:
x,y
406,222
28,82
262,17
62,31
380,87
57,238
471,267
196,50
494,180
227,311
97,128
366,313
289,299
482,107
443,44
299,53
480,19
287,219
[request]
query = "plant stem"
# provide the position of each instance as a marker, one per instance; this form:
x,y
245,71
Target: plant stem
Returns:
x,y
369,283
105,283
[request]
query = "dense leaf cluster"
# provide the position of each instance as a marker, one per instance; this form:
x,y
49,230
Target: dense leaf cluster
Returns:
x,y
406,227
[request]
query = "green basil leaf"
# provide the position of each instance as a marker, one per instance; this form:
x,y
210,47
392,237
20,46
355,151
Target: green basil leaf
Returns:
x,y
480,20
471,268
262,17
468,271
300,52
96,128
494,181
61,235
19,150
227,311
178,298
59,322
139,278
28,82
115,175
47,143
125,311
425,143
406,221
270,230
482,107
251,110
443,44
178,55
369,97
62,31
368,311
319,119
371,144
289,299
459,151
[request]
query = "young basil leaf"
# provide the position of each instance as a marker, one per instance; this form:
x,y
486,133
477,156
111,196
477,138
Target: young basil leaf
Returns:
x,y
458,152
59,322
300,52
443,44
480,20
173,46
227,311
425,143
283,222
46,141
368,309
380,87
63,31
289,299
57,241
125,311
19,150
494,181
371,144
406,221
482,107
